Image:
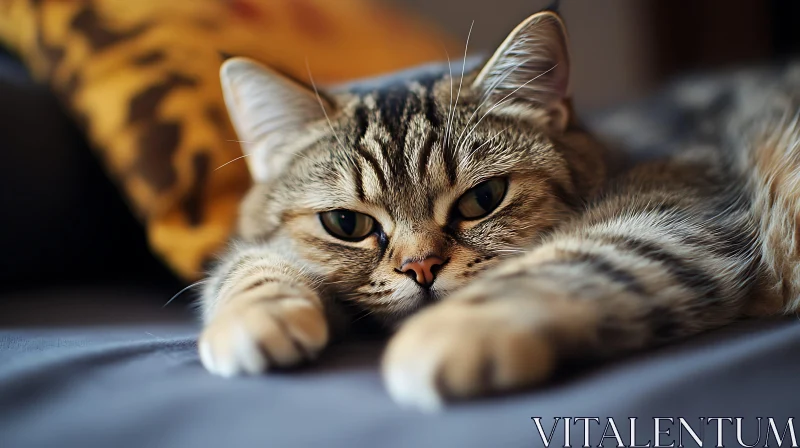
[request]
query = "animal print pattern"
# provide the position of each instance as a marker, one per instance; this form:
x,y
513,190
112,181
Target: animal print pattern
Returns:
x,y
578,259
142,79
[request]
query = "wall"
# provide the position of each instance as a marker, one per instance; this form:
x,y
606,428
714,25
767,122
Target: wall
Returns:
x,y
610,43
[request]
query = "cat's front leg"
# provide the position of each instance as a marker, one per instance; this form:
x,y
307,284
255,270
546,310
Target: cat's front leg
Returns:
x,y
495,335
261,312
600,290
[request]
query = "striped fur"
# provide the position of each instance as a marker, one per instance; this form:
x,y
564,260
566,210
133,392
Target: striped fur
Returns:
x,y
579,261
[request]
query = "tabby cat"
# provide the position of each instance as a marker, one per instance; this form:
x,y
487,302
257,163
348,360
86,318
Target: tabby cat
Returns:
x,y
478,205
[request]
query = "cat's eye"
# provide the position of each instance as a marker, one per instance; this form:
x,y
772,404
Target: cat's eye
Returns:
x,y
482,199
347,224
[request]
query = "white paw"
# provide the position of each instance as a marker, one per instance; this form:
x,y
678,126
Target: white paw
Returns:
x,y
259,335
461,350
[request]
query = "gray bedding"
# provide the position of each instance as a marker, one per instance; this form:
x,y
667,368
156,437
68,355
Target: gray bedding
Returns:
x,y
141,385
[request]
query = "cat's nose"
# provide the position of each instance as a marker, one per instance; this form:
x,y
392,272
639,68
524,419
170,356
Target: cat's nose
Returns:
x,y
423,271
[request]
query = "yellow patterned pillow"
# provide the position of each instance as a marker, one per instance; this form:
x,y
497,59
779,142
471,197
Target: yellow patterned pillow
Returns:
x,y
141,77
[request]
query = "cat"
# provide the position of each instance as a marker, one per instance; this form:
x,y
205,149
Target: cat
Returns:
x,y
478,217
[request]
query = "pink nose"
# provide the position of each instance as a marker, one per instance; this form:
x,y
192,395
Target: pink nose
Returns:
x,y
423,271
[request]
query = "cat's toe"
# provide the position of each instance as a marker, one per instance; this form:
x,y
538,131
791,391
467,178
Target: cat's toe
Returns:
x,y
459,351
263,335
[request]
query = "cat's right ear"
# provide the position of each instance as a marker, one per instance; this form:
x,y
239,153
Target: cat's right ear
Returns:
x,y
267,110
530,71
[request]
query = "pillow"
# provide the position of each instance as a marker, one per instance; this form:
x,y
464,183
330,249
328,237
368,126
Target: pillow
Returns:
x,y
57,198
142,80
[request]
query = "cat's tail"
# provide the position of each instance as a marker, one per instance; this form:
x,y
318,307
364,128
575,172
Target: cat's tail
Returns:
x,y
769,137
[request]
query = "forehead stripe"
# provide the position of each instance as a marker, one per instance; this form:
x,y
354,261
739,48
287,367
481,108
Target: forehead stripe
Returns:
x,y
425,154
362,122
431,113
449,163
373,163
358,180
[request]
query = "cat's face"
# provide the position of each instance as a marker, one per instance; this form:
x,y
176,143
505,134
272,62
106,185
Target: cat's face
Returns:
x,y
400,194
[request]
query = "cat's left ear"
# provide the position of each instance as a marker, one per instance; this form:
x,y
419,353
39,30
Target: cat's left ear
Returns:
x,y
530,72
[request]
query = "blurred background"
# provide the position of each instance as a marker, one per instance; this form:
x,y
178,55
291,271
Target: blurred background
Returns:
x,y
82,232
622,49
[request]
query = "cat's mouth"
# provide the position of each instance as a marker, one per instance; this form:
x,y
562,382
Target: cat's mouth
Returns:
x,y
422,298
429,296
408,300
426,296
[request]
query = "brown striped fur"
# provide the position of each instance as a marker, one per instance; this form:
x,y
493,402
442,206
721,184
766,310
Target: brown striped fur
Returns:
x,y
770,162
577,261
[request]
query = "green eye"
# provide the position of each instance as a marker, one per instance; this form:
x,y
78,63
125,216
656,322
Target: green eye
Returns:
x,y
347,224
483,199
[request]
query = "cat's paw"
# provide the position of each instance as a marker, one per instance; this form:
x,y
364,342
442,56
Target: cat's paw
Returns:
x,y
256,335
463,349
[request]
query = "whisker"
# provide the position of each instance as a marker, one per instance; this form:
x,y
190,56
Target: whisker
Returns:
x,y
450,103
347,155
227,163
367,313
295,154
487,95
197,283
465,160
505,98
460,83
322,106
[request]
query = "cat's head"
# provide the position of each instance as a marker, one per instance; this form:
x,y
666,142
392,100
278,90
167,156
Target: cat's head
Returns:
x,y
400,194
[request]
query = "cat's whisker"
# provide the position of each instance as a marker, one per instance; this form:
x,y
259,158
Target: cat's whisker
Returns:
x,y
322,106
296,154
505,98
500,79
487,95
465,161
462,163
346,153
366,314
197,283
227,163
460,83
450,103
